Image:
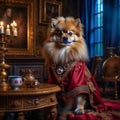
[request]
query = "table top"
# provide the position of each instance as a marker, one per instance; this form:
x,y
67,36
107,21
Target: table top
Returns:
x,y
44,88
25,99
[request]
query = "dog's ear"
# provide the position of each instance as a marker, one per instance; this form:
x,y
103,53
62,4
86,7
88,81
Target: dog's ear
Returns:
x,y
77,22
53,22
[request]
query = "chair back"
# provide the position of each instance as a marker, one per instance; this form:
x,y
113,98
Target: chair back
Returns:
x,y
95,63
111,67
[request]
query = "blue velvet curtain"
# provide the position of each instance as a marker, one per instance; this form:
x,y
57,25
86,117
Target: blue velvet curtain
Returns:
x,y
86,11
111,24
87,20
111,20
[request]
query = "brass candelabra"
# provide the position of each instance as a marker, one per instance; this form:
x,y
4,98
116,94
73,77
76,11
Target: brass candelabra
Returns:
x,y
5,35
3,65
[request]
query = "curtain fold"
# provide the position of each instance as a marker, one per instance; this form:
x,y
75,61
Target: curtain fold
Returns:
x,y
111,24
86,20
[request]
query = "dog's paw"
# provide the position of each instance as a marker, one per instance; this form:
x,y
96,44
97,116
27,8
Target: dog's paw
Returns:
x,y
79,111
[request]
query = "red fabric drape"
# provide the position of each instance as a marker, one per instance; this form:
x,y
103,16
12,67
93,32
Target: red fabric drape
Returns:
x,y
77,81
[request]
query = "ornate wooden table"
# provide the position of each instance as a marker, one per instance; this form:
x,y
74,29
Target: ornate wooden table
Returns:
x,y
27,99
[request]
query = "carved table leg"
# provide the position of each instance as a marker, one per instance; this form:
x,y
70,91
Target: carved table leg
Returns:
x,y
52,113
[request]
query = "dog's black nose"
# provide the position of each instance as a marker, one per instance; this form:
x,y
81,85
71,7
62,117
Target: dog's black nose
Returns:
x,y
65,39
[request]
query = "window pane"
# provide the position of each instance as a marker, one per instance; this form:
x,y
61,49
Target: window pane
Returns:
x,y
97,30
98,49
101,18
101,6
99,35
96,21
96,35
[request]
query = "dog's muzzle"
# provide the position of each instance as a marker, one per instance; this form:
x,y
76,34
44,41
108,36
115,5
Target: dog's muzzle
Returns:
x,y
67,41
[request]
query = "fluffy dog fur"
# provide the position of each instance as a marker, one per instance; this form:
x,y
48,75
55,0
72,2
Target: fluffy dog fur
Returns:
x,y
65,44
57,49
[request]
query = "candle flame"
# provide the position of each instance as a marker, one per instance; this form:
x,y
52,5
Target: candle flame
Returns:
x,y
8,26
14,23
1,23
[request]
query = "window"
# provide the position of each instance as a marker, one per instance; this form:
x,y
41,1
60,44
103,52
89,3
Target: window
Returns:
x,y
96,42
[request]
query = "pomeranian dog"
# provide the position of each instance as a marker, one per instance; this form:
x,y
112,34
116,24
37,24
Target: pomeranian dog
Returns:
x,y
65,52
65,42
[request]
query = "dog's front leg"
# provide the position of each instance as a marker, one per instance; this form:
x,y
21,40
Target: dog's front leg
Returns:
x,y
80,104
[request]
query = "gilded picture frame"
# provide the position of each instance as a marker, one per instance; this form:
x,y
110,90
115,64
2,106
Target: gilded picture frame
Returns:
x,y
22,13
49,9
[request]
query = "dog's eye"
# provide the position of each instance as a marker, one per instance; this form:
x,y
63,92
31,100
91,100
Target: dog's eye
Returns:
x,y
70,33
60,33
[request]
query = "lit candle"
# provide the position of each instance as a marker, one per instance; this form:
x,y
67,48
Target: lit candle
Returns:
x,y
14,28
1,27
1,23
15,32
14,23
8,30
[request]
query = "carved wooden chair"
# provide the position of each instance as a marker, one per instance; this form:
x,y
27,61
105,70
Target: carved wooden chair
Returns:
x,y
111,72
95,64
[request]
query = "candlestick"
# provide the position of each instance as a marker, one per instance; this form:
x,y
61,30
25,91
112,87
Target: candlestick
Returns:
x,y
8,30
14,23
1,27
5,33
1,23
14,28
15,32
